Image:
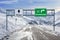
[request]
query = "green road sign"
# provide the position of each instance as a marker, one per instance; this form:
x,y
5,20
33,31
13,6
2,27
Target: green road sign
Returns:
x,y
40,11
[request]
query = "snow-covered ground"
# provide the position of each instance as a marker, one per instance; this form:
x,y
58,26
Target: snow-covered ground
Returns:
x,y
14,23
27,33
2,25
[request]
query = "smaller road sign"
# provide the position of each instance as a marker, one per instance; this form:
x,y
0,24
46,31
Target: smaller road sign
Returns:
x,y
10,12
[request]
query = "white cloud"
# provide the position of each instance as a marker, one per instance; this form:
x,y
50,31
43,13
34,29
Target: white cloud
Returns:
x,y
8,2
47,3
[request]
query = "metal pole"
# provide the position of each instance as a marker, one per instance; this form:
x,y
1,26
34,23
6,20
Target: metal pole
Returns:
x,y
6,23
54,22
6,27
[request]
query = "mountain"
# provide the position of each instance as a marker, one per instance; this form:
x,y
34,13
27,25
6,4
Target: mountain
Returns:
x,y
57,18
15,22
2,11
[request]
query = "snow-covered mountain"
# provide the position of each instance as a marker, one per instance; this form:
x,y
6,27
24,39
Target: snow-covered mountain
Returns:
x,y
15,22
2,11
41,19
57,18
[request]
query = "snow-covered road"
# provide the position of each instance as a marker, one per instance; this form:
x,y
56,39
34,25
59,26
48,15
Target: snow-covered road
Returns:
x,y
33,33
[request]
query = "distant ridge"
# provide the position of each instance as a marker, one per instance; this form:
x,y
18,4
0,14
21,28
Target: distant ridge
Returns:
x,y
2,11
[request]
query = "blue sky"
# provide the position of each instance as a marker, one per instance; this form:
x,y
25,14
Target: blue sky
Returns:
x,y
29,3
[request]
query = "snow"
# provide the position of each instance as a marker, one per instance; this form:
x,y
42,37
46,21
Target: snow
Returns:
x,y
57,29
22,33
50,29
2,25
18,35
15,23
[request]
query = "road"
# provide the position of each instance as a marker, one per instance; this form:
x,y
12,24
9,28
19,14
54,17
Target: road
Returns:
x,y
37,34
41,35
